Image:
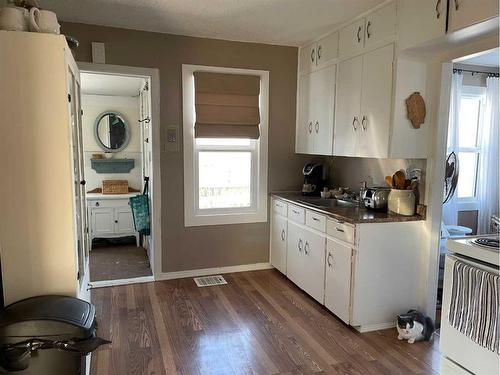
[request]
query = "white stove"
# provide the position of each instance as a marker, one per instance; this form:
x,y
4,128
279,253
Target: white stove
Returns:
x,y
475,247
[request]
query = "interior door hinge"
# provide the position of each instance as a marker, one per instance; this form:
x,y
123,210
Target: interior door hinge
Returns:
x,y
69,98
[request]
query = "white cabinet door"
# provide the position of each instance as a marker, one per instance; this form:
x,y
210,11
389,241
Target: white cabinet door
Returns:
x,y
295,254
420,21
352,38
307,57
328,48
323,83
380,25
347,109
463,13
102,221
124,220
278,242
304,141
376,103
338,278
314,265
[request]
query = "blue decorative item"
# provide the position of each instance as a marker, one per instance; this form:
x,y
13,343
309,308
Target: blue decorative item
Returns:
x,y
140,210
112,165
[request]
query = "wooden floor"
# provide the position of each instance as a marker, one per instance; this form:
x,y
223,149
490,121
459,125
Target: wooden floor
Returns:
x,y
258,324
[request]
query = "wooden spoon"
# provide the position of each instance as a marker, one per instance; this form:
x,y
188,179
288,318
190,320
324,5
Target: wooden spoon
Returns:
x,y
388,181
399,180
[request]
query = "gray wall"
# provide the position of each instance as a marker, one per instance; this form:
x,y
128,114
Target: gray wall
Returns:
x,y
212,246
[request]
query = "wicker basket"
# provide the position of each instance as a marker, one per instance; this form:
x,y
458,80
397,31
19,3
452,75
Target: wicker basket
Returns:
x,y
114,186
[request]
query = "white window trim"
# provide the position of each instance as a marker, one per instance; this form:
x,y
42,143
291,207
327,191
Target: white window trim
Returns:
x,y
472,203
192,216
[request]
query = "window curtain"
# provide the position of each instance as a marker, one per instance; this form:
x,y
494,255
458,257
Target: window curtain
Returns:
x,y
450,208
226,105
489,168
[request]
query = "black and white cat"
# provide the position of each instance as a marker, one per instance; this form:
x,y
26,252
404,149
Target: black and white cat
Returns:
x,y
414,326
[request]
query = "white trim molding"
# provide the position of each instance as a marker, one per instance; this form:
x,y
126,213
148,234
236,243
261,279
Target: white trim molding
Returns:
x,y
132,280
258,210
213,271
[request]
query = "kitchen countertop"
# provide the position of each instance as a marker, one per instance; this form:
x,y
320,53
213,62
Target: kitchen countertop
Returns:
x,y
349,214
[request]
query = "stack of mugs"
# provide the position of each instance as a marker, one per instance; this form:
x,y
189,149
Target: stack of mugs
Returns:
x,y
17,18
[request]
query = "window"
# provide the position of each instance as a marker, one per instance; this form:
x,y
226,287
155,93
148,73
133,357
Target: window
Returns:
x,y
470,123
225,179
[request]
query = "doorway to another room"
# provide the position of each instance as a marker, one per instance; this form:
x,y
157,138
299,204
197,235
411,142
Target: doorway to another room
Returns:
x,y
118,160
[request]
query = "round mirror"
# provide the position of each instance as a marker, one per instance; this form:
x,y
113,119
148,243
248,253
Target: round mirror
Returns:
x,y
111,131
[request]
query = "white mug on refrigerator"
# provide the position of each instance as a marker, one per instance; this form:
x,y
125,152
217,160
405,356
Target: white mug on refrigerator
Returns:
x,y
14,18
43,21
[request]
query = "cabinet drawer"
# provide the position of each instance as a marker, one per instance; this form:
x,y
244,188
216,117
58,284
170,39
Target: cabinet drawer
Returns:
x,y
316,221
297,214
112,203
340,230
280,207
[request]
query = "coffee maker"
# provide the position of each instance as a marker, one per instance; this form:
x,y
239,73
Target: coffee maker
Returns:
x,y
313,178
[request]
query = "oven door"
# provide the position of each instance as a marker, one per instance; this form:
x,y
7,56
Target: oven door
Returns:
x,y
455,345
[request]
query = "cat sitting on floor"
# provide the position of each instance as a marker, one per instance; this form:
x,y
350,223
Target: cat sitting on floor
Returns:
x,y
414,326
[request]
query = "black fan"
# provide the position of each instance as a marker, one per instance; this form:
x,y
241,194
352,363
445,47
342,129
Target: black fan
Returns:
x,y
450,177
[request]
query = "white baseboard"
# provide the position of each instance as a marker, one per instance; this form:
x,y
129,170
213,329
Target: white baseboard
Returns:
x,y
133,280
212,271
374,327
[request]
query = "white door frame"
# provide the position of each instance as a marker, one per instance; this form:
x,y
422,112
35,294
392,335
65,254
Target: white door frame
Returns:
x,y
153,77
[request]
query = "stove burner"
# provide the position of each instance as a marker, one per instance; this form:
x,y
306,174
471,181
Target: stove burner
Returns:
x,y
491,242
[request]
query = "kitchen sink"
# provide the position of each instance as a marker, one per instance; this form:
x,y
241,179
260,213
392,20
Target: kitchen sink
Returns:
x,y
327,203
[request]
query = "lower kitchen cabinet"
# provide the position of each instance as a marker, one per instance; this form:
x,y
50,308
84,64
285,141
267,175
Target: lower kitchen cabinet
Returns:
x,y
278,242
294,258
339,256
313,267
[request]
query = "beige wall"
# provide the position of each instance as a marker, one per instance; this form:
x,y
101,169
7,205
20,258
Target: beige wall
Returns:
x,y
214,246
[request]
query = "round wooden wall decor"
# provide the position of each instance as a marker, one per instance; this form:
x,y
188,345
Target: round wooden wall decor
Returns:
x,y
415,107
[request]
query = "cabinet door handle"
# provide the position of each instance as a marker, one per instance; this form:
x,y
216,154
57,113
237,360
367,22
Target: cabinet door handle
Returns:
x,y
299,245
457,5
282,235
354,120
116,221
97,204
83,182
328,260
319,52
364,123
295,212
339,230
312,55
316,126
358,35
306,247
315,219
438,12
310,127
368,25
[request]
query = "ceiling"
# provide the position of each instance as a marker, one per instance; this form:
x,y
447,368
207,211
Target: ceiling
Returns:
x,y
490,59
101,84
284,22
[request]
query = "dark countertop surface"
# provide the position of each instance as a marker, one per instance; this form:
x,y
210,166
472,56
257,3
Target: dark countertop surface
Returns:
x,y
345,212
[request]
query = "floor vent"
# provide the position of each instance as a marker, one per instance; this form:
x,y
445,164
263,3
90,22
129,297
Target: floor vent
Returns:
x,y
209,280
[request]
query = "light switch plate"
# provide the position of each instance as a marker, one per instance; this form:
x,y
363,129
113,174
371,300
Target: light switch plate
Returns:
x,y
172,143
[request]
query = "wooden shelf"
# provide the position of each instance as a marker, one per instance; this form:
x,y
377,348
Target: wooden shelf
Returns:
x,y
112,165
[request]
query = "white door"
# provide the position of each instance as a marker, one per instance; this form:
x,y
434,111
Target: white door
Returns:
x,y
304,128
323,83
463,13
103,221
295,254
347,122
328,48
420,21
338,278
380,25
314,265
352,38
278,242
307,57
124,220
376,103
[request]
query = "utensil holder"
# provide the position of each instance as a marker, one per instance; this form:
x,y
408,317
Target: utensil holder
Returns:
x,y
401,202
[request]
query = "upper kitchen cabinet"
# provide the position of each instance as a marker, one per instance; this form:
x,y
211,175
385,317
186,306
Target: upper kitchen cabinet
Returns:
x,y
377,27
463,13
319,53
420,21
315,112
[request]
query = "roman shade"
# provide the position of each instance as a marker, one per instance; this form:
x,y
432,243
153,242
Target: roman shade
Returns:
x,y
227,105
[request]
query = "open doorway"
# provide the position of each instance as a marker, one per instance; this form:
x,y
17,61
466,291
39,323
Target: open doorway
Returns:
x,y
118,145
471,182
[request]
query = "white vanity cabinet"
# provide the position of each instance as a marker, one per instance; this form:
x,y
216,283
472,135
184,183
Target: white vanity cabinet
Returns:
x,y
111,216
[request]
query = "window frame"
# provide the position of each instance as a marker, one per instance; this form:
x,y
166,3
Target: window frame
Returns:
x,y
474,92
257,212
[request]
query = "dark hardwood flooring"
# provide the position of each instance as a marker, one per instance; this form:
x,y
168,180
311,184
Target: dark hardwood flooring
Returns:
x,y
260,323
118,262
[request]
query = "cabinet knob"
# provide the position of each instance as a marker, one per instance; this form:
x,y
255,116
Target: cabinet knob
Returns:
x,y
97,204
83,182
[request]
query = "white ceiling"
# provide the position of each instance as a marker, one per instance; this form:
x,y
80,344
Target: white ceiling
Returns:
x,y
284,22
101,84
490,59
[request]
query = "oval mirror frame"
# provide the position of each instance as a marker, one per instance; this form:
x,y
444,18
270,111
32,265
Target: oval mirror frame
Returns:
x,y
127,131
